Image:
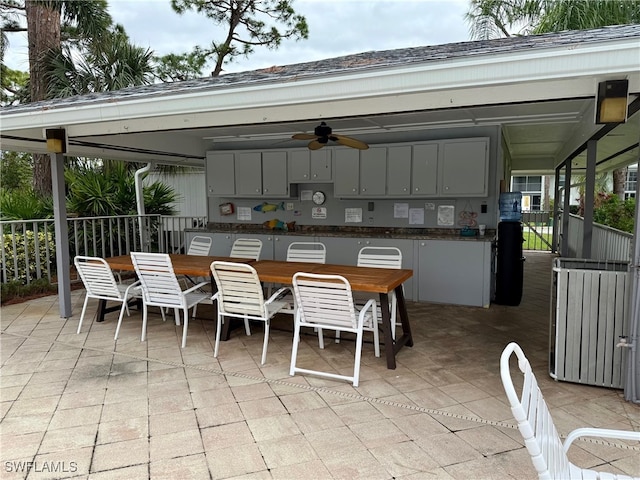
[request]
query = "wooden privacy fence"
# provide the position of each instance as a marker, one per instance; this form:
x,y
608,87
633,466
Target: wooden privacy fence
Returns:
x,y
588,321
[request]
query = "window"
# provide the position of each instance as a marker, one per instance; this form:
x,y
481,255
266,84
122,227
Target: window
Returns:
x,y
527,183
631,183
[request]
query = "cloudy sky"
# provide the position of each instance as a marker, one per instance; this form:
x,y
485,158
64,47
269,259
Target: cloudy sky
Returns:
x,y
336,27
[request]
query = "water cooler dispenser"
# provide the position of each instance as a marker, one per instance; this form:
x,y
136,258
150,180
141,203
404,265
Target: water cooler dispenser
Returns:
x,y
509,258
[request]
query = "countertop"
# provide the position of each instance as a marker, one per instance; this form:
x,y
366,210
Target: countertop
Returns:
x,y
341,231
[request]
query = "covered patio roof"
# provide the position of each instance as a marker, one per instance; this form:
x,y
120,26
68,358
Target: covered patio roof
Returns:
x,y
540,89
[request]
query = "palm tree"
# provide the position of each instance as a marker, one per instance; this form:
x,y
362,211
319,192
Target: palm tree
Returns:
x,y
58,33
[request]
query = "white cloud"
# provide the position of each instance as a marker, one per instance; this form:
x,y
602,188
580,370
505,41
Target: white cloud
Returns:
x,y
336,27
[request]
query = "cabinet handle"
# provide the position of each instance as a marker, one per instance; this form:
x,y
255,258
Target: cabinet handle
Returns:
x,y
367,242
354,189
364,189
265,190
404,189
315,175
417,189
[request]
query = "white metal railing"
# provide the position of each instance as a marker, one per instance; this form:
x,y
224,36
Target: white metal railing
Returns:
x,y
27,247
607,243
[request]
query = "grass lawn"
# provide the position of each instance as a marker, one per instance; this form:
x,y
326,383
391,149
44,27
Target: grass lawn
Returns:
x,y
534,242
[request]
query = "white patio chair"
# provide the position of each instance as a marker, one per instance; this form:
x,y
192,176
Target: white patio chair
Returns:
x,y
199,245
326,302
240,295
309,252
160,288
381,257
246,248
548,452
100,283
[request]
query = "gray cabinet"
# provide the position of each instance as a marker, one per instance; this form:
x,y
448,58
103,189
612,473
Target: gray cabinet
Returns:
x,y
360,173
248,178
424,174
261,174
306,165
454,272
412,170
220,174
221,246
274,174
399,170
464,171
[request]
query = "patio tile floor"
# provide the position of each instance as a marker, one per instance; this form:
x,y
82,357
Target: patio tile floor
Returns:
x,y
86,406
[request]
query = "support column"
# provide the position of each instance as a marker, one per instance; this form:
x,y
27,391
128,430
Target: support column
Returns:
x,y
56,144
589,198
564,247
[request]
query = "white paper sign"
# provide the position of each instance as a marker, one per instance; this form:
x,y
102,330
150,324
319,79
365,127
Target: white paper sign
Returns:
x,y
446,215
416,216
244,213
400,210
353,215
319,212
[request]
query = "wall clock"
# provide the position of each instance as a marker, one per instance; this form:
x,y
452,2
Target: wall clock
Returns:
x,y
318,197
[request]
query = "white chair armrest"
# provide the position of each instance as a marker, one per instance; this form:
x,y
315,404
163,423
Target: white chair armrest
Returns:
x,y
601,433
279,293
196,287
370,305
135,285
214,297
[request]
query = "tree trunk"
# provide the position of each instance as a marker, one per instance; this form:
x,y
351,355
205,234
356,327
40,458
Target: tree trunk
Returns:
x,y
43,34
619,178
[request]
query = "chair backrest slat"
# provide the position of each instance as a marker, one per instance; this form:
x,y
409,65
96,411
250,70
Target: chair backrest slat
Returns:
x,y
97,277
199,245
324,300
310,252
157,279
380,257
239,288
246,248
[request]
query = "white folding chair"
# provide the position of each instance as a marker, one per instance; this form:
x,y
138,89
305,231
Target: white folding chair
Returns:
x,y
548,452
246,248
326,302
381,257
160,288
100,283
199,245
240,295
309,252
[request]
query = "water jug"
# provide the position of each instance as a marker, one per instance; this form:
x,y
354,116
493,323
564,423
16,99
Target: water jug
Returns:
x,y
510,206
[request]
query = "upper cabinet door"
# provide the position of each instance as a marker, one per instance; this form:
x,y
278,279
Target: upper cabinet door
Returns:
x,y
424,177
220,174
373,166
320,165
399,170
299,165
347,182
248,173
464,169
274,174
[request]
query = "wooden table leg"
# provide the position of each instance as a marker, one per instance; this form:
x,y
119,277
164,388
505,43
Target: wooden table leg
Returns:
x,y
407,337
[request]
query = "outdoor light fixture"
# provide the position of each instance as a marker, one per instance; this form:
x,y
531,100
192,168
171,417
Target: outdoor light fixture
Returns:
x,y
56,141
611,106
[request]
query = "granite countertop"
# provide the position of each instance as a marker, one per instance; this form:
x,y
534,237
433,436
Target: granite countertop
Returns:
x,y
341,231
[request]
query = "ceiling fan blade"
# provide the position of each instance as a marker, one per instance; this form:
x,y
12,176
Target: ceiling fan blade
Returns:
x,y
304,136
350,142
316,145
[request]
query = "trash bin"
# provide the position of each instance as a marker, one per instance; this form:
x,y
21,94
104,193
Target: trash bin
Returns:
x,y
588,321
509,264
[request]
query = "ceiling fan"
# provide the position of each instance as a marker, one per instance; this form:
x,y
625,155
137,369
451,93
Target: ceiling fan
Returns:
x,y
323,133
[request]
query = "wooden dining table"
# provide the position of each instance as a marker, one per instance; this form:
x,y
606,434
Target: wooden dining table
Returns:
x,y
377,281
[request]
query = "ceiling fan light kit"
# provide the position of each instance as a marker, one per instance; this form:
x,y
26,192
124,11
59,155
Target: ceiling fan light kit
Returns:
x,y
323,133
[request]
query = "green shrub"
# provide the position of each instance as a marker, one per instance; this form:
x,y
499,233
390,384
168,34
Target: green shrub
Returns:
x,y
15,289
45,239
